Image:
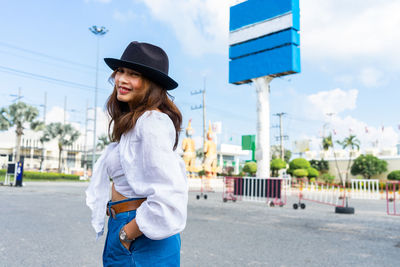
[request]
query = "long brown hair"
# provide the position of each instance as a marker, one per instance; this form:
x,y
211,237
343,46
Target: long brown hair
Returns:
x,y
125,115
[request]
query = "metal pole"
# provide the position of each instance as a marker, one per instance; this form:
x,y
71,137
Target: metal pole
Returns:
x,y
263,123
85,148
95,106
98,31
281,134
204,113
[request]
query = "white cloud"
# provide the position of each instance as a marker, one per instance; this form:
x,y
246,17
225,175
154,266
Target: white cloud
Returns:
x,y
370,77
124,16
337,101
346,30
334,101
201,26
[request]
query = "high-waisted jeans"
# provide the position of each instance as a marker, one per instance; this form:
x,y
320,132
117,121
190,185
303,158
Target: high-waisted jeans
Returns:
x,y
143,251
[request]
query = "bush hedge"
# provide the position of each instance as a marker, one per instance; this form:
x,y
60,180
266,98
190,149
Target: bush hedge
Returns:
x,y
327,178
250,168
300,173
312,172
394,175
45,175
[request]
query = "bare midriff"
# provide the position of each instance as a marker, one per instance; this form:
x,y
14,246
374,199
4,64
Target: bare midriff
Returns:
x,y
115,196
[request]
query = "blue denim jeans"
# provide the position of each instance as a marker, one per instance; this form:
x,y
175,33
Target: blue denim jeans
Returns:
x,y
143,251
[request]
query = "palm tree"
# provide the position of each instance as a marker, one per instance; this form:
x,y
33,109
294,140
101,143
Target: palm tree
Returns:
x,y
350,142
43,139
327,142
65,134
18,115
103,141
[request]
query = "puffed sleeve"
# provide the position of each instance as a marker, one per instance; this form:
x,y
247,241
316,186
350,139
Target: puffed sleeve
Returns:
x,y
98,191
164,213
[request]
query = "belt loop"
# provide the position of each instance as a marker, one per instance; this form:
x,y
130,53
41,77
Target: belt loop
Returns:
x,y
112,212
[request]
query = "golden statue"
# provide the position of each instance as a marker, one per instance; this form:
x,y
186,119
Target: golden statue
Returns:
x,y
189,150
210,155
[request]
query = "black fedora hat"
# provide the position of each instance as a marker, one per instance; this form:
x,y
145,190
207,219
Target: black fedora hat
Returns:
x,y
147,59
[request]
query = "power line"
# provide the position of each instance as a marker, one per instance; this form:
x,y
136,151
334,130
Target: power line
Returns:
x,y
48,56
48,79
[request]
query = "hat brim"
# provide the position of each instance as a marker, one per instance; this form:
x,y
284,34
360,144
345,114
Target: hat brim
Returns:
x,y
152,74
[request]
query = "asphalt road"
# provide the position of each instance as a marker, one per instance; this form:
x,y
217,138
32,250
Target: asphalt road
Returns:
x,y
48,224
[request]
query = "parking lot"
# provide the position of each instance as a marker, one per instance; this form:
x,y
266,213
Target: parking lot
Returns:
x,y
48,224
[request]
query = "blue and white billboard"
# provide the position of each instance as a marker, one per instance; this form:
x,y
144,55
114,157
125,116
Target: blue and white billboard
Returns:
x,y
264,39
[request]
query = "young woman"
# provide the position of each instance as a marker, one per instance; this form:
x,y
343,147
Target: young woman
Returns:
x,y
149,186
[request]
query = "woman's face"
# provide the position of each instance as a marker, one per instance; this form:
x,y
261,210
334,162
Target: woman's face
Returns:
x,y
128,84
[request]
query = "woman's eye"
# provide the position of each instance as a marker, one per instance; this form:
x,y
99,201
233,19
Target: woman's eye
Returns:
x,y
120,70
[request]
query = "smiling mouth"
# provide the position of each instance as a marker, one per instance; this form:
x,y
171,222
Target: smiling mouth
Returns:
x,y
123,90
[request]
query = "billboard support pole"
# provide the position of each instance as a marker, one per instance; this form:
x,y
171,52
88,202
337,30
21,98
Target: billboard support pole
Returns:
x,y
262,147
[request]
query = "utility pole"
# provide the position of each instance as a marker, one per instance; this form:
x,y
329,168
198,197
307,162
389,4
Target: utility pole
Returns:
x,y
98,31
86,135
203,92
281,136
204,113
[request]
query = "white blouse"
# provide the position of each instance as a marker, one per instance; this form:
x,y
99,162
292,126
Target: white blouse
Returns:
x,y
153,170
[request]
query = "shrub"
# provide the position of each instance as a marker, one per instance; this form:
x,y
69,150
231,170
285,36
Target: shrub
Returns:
x,y
45,175
321,165
327,178
394,175
250,168
312,172
368,166
300,173
276,165
298,163
49,175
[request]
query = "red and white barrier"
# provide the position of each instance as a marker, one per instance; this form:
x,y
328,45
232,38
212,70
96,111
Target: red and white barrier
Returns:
x,y
393,198
268,190
327,194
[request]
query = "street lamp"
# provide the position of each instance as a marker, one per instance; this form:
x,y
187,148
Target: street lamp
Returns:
x,y
98,31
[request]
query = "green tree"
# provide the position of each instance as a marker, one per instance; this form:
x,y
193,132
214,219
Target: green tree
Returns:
x,y
103,141
351,143
327,142
394,175
18,115
65,134
312,172
299,163
321,165
276,153
250,168
327,178
368,166
276,165
300,173
44,139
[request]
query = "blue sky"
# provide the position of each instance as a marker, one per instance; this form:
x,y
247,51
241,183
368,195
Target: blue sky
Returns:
x,y
349,56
